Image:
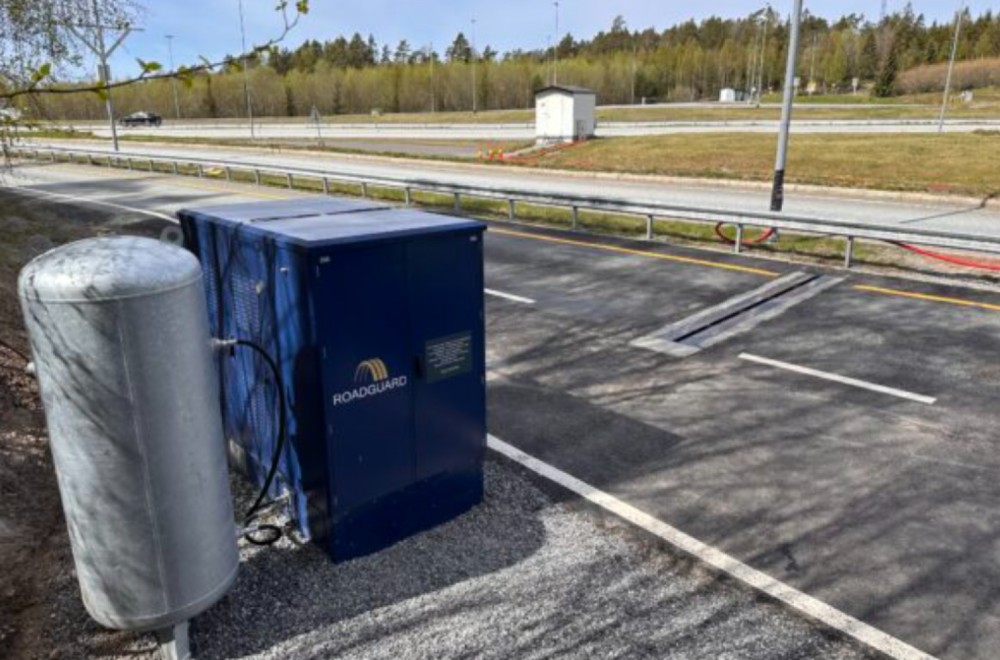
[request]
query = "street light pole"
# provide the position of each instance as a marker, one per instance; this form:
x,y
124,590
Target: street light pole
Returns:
x,y
173,80
555,50
246,75
433,91
778,189
951,64
475,107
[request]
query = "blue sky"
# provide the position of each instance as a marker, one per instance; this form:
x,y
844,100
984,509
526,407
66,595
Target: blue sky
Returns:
x,y
211,27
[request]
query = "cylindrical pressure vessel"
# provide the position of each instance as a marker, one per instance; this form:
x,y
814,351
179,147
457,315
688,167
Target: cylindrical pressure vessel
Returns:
x,y
122,352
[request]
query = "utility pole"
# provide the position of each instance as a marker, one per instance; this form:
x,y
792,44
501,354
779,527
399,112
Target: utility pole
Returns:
x,y
431,54
634,70
173,80
555,50
475,101
96,44
778,190
951,64
763,57
246,75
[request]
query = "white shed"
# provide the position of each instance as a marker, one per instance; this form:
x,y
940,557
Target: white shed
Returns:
x,y
727,95
564,113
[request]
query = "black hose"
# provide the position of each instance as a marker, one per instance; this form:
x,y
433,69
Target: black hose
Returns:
x,y
279,445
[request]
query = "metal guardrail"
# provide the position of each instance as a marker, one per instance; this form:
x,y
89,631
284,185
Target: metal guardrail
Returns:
x,y
648,210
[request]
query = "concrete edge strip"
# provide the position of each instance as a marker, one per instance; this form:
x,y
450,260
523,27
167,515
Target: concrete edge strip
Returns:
x,y
790,596
769,310
835,378
709,315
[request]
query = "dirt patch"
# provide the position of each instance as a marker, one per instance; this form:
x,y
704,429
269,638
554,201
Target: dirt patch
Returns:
x,y
41,615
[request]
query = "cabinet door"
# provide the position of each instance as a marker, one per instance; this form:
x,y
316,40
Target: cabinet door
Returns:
x,y
361,306
447,338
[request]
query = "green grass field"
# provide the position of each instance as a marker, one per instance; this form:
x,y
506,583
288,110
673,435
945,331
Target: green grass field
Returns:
x,y
957,163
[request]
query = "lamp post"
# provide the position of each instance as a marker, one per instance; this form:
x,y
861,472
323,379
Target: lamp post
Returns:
x,y
555,50
173,80
951,64
475,107
778,189
246,75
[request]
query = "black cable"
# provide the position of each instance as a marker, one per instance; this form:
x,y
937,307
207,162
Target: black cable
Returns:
x,y
279,445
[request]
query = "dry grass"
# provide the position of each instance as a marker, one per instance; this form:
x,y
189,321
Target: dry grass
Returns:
x,y
971,74
953,163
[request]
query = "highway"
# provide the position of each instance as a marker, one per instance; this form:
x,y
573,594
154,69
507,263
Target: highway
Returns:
x,y
526,131
966,217
841,440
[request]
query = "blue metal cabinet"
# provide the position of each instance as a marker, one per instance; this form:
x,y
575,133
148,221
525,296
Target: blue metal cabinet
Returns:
x,y
375,316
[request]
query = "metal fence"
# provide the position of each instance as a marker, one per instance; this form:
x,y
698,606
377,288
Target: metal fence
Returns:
x,y
648,211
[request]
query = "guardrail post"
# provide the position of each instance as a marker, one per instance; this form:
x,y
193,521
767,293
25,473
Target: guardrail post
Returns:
x,y
649,227
90,159
364,190
458,203
407,196
848,251
738,245
256,177
151,165
229,174
511,209
201,171
110,164
576,218
326,186
177,170
129,161
291,182
54,157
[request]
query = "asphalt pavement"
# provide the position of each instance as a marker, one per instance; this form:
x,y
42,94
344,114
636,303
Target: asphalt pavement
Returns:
x,y
844,447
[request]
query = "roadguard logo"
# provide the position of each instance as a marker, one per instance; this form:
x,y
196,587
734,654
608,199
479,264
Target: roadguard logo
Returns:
x,y
372,378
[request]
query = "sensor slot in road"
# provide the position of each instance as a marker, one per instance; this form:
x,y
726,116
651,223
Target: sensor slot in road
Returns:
x,y
508,296
844,380
736,315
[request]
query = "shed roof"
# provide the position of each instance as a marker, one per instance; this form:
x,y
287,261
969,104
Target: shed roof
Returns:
x,y
566,89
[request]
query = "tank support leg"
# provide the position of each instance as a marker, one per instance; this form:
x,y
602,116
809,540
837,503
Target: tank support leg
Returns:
x,y
174,642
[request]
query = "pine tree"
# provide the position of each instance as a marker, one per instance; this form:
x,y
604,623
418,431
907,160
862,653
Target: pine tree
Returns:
x,y
868,66
885,81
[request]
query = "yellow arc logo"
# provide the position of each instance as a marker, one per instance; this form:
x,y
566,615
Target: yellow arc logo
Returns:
x,y
371,371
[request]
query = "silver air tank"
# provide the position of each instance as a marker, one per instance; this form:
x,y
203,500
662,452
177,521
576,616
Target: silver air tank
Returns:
x,y
122,352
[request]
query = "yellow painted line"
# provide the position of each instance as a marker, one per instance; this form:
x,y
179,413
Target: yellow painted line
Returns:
x,y
924,296
640,253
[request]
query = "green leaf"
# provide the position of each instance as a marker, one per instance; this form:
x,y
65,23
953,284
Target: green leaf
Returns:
x,y
302,6
149,67
42,73
101,93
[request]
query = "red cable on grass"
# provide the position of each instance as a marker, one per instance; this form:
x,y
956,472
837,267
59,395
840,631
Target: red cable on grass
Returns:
x,y
958,261
760,239
946,258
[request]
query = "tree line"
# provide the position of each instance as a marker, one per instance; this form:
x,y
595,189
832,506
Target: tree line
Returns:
x,y
689,61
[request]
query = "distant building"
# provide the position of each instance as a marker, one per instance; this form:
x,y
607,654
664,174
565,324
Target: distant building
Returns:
x,y
564,113
730,95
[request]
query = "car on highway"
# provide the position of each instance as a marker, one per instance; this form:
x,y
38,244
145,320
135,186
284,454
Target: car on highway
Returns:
x,y
141,119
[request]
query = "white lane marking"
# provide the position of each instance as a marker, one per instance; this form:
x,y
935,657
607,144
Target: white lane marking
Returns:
x,y
91,200
790,596
509,296
903,394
